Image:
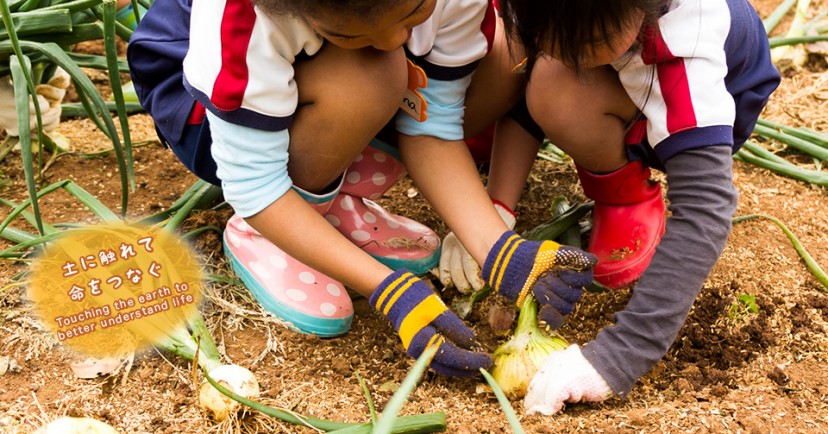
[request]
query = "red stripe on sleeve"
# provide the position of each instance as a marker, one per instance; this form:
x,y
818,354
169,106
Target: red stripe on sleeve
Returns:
x,y
672,78
236,30
197,115
653,47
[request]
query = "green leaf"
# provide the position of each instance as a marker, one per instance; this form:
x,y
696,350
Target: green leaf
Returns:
x,y
203,190
392,409
39,22
73,6
85,87
746,299
115,79
371,410
22,89
95,61
87,199
504,403
281,414
47,228
17,235
783,168
76,110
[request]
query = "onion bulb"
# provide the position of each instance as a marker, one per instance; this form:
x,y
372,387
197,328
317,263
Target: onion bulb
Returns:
x,y
76,425
519,358
237,379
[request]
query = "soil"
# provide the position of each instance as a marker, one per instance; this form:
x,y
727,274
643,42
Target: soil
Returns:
x,y
730,370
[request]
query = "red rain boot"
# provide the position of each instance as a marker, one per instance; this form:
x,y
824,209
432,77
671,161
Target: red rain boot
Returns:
x,y
628,222
480,145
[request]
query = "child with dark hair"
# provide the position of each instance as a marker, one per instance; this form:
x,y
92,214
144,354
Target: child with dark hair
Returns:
x,y
622,87
280,102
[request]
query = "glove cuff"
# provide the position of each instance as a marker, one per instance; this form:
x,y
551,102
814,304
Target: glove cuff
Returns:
x,y
408,302
509,263
391,285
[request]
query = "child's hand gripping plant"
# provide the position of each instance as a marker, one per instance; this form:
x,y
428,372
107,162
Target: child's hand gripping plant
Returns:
x,y
517,360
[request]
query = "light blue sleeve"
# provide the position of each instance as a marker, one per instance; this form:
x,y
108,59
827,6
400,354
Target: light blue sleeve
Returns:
x,y
252,165
446,107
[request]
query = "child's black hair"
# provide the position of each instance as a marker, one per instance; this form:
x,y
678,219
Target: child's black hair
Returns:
x,y
366,10
571,27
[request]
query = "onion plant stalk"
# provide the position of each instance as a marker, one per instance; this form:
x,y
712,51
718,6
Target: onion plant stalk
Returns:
x,y
194,342
794,141
806,134
391,423
518,359
812,265
758,156
777,15
793,55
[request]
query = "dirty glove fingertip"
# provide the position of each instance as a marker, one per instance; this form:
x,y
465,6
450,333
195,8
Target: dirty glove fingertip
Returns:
x,y
575,278
458,362
575,258
452,327
550,316
551,283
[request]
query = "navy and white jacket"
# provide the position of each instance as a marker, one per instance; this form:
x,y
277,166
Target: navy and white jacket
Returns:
x,y
700,75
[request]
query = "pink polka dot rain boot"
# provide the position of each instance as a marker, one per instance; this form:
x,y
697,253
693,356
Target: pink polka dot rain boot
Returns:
x,y
308,300
396,241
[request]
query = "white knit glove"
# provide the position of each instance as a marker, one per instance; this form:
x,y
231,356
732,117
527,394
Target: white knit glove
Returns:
x,y
565,376
49,98
457,267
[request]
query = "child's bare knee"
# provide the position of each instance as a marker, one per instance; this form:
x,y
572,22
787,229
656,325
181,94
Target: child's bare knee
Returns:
x,y
551,110
385,77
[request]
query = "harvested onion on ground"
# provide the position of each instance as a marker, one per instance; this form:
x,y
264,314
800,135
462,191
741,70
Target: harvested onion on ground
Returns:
x,y
76,425
229,388
199,346
519,358
237,379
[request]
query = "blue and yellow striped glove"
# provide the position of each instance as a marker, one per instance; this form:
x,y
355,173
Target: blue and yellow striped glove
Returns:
x,y
556,274
421,319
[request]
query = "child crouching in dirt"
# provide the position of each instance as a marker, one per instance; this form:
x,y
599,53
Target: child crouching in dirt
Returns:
x,y
276,102
622,87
